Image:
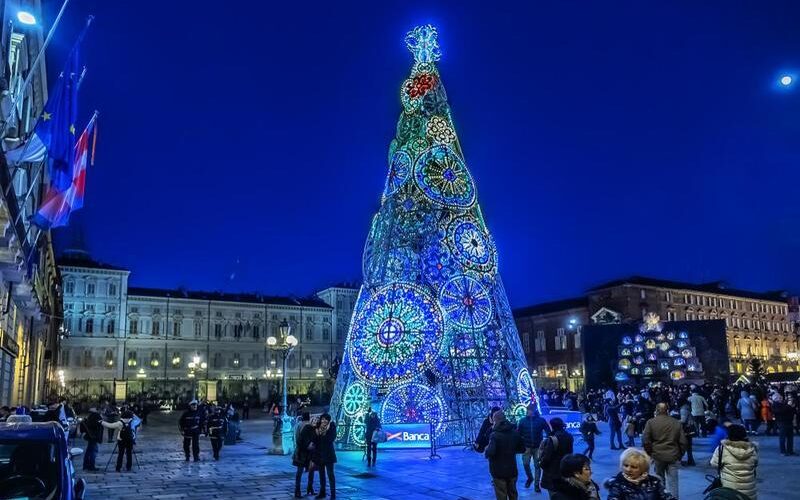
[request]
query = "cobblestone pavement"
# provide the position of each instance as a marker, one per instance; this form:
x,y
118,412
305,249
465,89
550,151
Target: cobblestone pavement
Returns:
x,y
246,471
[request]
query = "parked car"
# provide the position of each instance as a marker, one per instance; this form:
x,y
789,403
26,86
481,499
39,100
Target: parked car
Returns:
x,y
36,463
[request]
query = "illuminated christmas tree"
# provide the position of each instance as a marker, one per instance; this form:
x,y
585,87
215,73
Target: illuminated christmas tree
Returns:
x,y
432,338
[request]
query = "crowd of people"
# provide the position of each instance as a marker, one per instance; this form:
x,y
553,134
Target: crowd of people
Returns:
x,y
663,418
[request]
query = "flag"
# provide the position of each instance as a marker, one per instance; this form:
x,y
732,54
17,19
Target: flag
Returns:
x,y
59,203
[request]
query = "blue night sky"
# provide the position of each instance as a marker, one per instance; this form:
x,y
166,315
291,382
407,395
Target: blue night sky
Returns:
x,y
606,138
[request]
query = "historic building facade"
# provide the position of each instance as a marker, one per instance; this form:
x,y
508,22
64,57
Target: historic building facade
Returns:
x,y
758,325
127,341
30,302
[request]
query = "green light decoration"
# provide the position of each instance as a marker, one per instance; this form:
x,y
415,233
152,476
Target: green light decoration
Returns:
x,y
432,338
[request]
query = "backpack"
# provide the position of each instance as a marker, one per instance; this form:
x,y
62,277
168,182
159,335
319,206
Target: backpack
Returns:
x,y
126,433
544,457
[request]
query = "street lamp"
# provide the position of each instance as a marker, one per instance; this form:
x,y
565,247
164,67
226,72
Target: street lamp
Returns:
x,y
283,345
194,365
26,18
786,80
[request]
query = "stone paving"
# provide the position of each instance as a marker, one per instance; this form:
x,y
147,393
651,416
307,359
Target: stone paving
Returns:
x,y
247,471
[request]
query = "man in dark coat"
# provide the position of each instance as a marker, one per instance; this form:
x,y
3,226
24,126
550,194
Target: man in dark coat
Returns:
x,y
217,428
614,423
191,425
483,433
784,417
504,445
553,449
325,455
373,424
532,428
92,428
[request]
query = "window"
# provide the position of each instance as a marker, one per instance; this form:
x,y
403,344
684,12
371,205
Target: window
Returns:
x,y
539,343
642,294
198,313
90,289
578,337
69,287
134,327
561,340
156,311
134,310
110,327
156,328
111,308
112,289
237,330
198,328
218,314
526,342
326,334
307,361
218,331
90,308
176,328
309,333
87,359
256,333
90,325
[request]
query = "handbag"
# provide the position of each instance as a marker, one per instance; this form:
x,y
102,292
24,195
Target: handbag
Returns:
x,y
379,436
716,482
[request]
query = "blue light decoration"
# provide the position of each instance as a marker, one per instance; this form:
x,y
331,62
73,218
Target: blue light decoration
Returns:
x,y
624,364
635,371
677,374
683,335
414,403
626,340
639,339
423,42
638,348
432,337
681,344
621,376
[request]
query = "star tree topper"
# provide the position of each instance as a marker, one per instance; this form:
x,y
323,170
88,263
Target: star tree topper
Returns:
x,y
423,42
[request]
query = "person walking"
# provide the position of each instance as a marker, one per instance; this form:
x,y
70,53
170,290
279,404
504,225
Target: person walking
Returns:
x,y
504,444
767,416
301,459
125,429
551,451
784,417
325,454
217,429
665,442
191,425
614,423
737,459
482,439
699,406
747,412
575,482
532,428
373,424
633,481
588,431
92,428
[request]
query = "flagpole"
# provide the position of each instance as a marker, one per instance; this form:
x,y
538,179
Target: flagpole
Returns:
x,y
29,77
38,172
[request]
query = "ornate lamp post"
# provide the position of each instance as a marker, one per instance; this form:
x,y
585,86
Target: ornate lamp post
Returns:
x,y
195,365
282,441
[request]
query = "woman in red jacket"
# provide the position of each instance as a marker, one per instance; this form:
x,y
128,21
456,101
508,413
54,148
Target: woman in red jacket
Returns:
x,y
767,416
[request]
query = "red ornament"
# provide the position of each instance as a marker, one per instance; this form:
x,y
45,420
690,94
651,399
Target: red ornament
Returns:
x,y
420,85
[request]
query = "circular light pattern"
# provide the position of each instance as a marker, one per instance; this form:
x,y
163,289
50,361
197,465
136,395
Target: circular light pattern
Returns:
x,y
409,126
621,376
440,131
443,177
519,411
398,332
664,346
525,389
676,374
639,338
438,265
624,364
471,246
414,403
410,104
638,348
650,344
356,399
627,340
635,371
463,360
434,103
399,171
786,80
466,302
358,428
638,360
419,85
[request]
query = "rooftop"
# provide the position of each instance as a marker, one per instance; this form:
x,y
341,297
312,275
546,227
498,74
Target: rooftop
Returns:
x,y
717,287
248,298
82,259
552,307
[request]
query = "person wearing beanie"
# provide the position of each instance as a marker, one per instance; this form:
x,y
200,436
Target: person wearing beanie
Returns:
x,y
532,428
486,429
739,459
92,429
553,449
504,445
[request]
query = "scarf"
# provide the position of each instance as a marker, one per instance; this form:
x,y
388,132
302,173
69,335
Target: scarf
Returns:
x,y
635,480
590,489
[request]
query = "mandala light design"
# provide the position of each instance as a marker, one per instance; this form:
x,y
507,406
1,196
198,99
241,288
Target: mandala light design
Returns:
x,y
399,171
439,130
443,177
471,246
412,403
423,42
358,428
466,302
398,332
525,388
519,411
438,265
356,399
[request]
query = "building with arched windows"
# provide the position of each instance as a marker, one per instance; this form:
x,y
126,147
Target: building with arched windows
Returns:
x,y
125,341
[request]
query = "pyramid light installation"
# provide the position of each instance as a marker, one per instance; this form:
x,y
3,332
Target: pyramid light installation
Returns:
x,y
432,338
